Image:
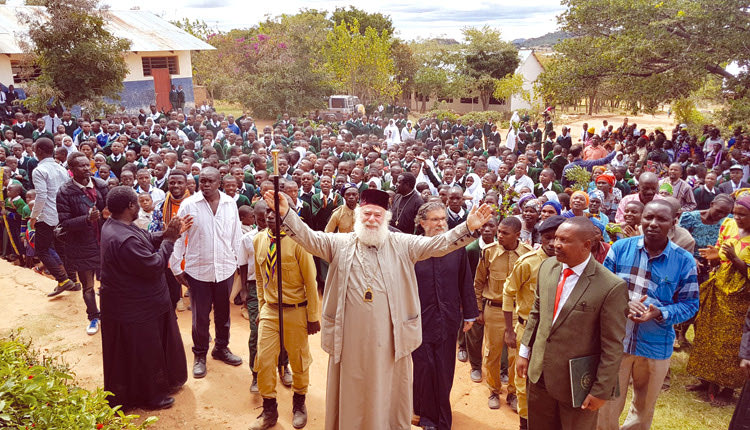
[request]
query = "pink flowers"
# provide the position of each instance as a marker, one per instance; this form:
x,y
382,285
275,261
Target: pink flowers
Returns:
x,y
282,45
262,37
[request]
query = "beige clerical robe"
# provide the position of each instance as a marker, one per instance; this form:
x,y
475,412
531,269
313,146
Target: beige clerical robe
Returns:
x,y
370,342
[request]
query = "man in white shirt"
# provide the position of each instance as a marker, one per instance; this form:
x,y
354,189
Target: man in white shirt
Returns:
x,y
210,263
521,180
144,186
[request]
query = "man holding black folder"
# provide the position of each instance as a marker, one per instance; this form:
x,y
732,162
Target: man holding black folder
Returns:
x,y
579,311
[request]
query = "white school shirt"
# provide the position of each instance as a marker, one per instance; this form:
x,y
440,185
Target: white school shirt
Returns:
x,y
524,351
212,242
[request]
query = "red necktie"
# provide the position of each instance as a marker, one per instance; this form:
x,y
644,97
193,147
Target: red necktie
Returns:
x,y
567,272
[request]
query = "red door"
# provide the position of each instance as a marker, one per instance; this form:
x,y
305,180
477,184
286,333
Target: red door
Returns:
x,y
162,85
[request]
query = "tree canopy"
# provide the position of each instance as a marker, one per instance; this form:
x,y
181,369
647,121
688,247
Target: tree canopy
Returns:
x,y
78,60
646,52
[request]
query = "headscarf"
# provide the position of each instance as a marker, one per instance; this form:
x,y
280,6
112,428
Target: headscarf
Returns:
x,y
742,192
666,187
743,201
555,205
534,204
377,181
598,170
524,198
475,191
551,196
581,193
596,194
607,176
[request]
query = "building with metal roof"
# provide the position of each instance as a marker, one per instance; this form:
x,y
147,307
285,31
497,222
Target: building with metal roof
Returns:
x,y
159,56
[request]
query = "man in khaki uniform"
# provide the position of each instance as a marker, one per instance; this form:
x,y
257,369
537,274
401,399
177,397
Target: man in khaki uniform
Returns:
x,y
518,296
301,318
494,268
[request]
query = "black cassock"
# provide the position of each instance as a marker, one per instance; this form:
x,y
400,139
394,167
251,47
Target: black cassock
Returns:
x,y
144,358
446,295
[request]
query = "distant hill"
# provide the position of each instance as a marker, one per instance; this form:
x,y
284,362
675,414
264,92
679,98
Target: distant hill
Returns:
x,y
547,40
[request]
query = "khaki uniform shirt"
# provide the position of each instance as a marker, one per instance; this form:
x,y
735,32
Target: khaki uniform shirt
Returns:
x,y
494,267
298,278
342,219
518,292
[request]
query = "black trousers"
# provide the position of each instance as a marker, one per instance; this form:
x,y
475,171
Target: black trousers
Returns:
x,y
434,366
741,417
43,242
86,278
205,296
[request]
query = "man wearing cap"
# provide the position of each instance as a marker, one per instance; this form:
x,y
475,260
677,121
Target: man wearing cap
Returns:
x,y
735,181
371,312
518,297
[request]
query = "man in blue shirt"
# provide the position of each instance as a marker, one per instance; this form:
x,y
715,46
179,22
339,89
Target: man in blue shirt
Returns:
x,y
663,288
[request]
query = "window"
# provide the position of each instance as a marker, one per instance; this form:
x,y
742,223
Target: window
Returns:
x,y
170,63
24,71
447,100
469,100
494,101
338,102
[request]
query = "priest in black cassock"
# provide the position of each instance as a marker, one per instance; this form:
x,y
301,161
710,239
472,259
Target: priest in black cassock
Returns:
x,y
144,359
446,296
406,202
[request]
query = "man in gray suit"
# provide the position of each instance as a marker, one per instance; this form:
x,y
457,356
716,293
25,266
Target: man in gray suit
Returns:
x,y
579,310
735,181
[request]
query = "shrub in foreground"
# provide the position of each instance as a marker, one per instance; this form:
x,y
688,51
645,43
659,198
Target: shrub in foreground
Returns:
x,y
40,392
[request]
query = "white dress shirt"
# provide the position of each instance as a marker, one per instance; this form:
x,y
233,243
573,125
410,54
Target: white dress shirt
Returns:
x,y
212,242
524,351
246,254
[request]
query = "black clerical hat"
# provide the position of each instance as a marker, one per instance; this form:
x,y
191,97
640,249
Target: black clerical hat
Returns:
x,y
374,197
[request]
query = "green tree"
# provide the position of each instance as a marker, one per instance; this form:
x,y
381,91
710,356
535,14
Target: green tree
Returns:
x,y
79,61
196,27
361,64
376,21
487,59
405,64
647,52
437,70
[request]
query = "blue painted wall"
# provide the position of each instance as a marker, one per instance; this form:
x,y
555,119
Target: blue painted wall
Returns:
x,y
140,94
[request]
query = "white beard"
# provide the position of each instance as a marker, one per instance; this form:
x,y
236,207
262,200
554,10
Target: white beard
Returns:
x,y
368,236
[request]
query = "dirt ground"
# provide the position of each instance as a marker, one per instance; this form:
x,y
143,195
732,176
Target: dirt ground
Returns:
x,y
222,399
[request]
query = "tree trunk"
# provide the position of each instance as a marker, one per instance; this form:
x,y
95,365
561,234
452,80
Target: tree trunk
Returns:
x,y
485,99
424,105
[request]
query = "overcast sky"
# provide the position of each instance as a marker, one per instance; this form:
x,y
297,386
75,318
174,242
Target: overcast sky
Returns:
x,y
412,19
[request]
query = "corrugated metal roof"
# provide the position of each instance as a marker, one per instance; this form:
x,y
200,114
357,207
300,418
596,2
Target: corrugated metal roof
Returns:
x,y
146,31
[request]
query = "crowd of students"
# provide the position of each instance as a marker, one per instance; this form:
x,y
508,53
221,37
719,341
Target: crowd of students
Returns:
x,y
670,188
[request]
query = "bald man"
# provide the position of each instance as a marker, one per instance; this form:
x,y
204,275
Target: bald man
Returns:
x,y
648,185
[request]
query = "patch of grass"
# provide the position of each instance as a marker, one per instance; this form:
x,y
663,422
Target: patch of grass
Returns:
x,y
678,409
228,108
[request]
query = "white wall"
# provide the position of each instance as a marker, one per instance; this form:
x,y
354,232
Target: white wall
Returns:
x,y
530,69
135,64
6,74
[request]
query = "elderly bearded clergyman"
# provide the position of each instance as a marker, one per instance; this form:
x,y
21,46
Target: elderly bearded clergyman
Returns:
x,y
371,313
